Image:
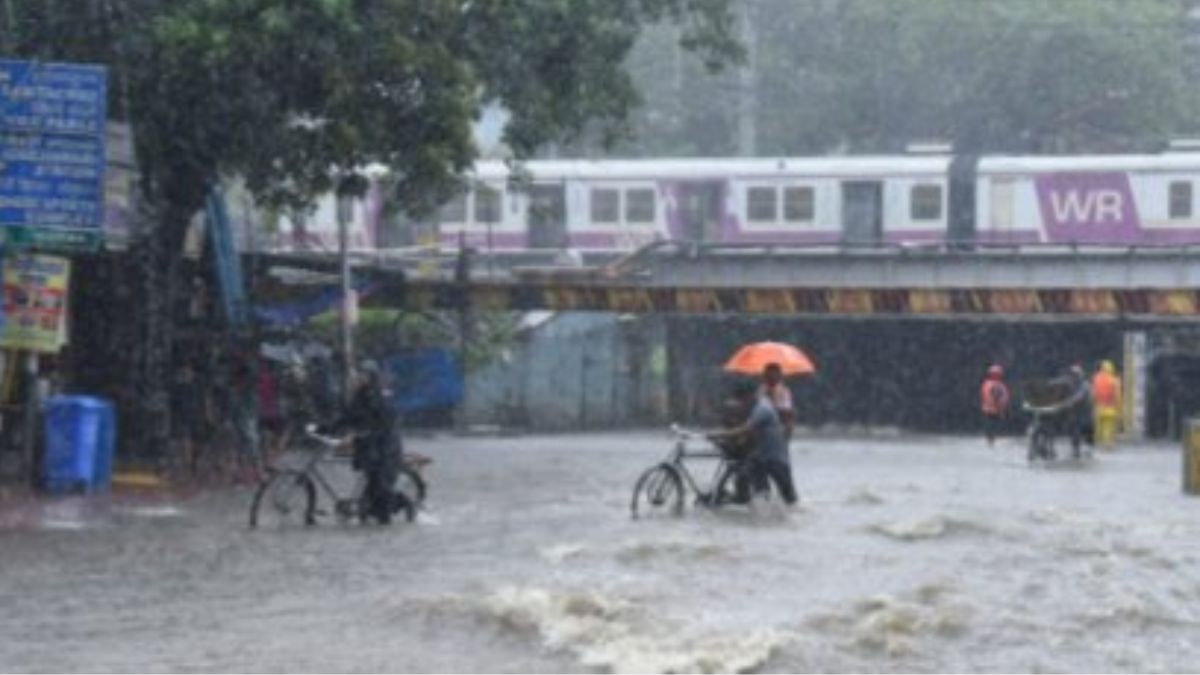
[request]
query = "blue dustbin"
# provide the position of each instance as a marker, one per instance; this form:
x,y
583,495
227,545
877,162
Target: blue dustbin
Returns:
x,y
81,434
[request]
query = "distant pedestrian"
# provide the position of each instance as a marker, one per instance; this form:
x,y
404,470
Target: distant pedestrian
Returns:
x,y
994,402
1078,408
1106,397
242,402
187,415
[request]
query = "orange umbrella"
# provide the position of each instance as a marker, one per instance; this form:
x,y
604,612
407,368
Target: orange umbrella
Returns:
x,y
752,359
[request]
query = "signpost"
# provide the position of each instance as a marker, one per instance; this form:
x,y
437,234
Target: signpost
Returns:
x,y
52,153
53,123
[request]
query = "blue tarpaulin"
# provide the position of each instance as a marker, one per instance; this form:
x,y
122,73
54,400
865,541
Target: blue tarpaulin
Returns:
x,y
292,314
428,379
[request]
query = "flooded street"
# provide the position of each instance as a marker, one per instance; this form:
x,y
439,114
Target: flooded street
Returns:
x,y
908,554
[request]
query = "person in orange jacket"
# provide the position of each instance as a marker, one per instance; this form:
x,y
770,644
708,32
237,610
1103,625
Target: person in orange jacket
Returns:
x,y
1106,394
993,402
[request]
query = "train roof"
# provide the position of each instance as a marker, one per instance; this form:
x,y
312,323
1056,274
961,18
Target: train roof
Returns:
x,y
1170,161
699,168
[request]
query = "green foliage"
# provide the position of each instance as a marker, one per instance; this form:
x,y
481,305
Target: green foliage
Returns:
x,y
873,75
383,332
298,96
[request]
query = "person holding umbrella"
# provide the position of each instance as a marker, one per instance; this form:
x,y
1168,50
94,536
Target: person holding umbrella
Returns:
x,y
772,461
772,415
780,396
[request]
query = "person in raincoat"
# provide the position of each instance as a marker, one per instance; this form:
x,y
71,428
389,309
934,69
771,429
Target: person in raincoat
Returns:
x,y
1106,397
993,402
376,451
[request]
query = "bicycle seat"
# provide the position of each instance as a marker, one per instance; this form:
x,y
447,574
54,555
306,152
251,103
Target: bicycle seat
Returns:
x,y
417,461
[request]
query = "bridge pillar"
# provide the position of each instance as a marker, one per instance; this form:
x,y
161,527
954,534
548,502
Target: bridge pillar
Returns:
x,y
1134,385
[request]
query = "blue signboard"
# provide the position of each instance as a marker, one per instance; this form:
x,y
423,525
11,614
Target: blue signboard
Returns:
x,y
52,132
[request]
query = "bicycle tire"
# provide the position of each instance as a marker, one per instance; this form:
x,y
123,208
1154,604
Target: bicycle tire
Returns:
x,y
283,488
412,484
1041,445
726,491
659,487
408,507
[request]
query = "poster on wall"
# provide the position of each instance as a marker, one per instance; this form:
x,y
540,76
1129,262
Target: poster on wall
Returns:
x,y
35,302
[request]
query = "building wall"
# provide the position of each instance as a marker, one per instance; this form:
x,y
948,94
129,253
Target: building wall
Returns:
x,y
905,373
577,371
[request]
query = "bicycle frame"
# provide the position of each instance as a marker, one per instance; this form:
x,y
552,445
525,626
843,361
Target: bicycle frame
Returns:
x,y
680,452
324,455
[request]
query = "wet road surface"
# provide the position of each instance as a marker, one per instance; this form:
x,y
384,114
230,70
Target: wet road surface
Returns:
x,y
909,553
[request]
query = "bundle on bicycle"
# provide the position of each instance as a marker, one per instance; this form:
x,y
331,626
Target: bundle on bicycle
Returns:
x,y
662,489
1059,407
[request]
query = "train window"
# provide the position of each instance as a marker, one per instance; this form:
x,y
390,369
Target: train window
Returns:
x,y
762,204
799,205
455,210
487,204
639,206
1181,200
606,205
926,202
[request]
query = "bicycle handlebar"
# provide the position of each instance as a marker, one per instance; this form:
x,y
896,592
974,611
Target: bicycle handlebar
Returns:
x,y
685,434
330,441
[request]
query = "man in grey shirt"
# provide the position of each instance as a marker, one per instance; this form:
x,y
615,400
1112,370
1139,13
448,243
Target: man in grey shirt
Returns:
x,y
770,439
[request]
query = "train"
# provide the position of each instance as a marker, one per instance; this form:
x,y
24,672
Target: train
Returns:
x,y
918,198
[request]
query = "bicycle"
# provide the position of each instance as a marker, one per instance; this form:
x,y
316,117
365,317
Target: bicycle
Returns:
x,y
661,488
288,496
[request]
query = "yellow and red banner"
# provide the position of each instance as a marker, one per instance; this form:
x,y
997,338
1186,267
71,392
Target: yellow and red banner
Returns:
x,y
35,302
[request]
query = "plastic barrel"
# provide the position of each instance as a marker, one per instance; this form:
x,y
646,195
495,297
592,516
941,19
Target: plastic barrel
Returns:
x,y
80,437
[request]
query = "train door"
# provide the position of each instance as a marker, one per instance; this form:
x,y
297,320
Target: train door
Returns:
x,y
699,211
547,216
862,212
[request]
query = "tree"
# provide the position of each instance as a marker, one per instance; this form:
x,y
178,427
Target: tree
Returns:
x,y
998,75
296,97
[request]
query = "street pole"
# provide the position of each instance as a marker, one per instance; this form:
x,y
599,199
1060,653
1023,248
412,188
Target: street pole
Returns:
x,y
10,41
32,410
462,278
344,205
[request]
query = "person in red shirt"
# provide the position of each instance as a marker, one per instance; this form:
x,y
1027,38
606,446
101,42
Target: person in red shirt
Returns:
x,y
993,402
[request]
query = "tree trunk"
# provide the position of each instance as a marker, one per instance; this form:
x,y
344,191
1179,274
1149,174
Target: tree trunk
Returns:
x,y
161,261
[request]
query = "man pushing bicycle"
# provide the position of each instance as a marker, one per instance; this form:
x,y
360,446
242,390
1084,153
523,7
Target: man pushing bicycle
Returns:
x,y
372,420
770,440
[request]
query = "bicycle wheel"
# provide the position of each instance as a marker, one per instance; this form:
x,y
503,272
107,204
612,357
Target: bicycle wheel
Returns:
x,y
410,482
658,492
286,499
406,506
1041,444
727,487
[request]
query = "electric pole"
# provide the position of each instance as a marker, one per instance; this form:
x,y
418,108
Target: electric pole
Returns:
x,y
345,206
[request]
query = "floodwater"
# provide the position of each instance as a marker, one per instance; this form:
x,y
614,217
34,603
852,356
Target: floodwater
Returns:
x,y
909,554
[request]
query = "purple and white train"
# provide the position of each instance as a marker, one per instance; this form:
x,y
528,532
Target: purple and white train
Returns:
x,y
917,198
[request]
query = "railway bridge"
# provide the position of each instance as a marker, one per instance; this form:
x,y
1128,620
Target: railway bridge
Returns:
x,y
1144,300
1144,284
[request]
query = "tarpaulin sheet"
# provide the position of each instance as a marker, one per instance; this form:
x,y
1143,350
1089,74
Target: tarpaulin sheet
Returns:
x,y
292,314
425,380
